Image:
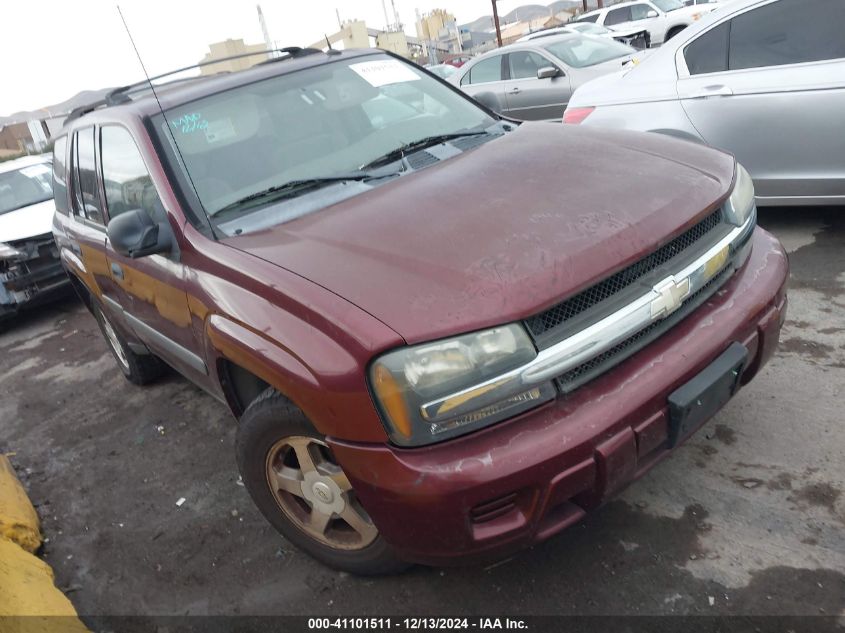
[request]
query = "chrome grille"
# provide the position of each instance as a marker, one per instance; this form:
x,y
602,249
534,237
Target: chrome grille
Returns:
x,y
543,324
585,372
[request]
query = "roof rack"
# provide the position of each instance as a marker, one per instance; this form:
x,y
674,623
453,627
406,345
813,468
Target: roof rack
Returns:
x,y
120,95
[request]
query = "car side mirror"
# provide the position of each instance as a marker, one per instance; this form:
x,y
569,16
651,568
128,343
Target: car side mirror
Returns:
x,y
134,234
651,14
547,72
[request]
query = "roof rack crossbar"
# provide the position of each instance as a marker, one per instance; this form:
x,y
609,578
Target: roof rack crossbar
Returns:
x,y
119,95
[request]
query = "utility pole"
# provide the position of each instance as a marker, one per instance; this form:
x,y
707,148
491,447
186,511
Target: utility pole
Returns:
x,y
496,22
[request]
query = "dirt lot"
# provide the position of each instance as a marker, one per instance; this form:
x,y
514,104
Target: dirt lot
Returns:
x,y
747,518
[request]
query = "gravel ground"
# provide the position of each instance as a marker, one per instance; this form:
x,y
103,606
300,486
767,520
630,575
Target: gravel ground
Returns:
x,y
746,518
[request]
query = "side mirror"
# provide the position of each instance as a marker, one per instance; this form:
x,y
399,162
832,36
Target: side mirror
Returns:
x,y
651,14
134,234
547,72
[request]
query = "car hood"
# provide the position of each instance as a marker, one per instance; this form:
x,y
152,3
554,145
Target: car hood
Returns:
x,y
502,231
20,224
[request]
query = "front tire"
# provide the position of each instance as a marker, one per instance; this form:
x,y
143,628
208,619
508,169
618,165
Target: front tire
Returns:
x,y
672,33
138,369
293,478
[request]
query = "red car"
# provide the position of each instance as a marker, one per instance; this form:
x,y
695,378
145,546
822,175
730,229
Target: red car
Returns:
x,y
445,335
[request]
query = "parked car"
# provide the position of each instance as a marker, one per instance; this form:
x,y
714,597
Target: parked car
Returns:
x,y
444,339
444,71
762,79
664,19
30,271
638,38
533,80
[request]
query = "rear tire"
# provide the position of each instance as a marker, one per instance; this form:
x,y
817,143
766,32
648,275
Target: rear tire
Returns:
x,y
293,478
139,369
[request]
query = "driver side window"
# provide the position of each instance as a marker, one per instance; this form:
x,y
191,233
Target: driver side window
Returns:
x,y
640,11
126,181
525,64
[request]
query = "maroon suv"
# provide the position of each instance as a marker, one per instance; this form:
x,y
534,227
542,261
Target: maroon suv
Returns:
x,y
445,335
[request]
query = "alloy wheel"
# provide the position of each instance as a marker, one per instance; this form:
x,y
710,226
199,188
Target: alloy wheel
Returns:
x,y
313,492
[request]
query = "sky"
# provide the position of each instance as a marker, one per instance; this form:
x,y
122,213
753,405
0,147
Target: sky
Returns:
x,y
52,49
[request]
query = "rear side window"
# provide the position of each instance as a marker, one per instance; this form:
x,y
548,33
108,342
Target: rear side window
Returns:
x,y
709,53
60,174
618,16
126,182
788,32
589,18
485,71
85,192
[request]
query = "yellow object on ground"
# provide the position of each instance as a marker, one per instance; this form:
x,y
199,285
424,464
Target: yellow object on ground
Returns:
x,y
27,589
18,520
29,599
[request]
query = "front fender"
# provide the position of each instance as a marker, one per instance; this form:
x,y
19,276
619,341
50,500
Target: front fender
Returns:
x,y
338,405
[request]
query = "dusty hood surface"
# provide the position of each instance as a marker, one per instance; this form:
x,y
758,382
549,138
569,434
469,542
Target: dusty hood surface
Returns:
x,y
36,219
503,231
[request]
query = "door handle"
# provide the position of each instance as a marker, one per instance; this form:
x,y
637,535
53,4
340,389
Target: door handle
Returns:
x,y
76,249
718,90
514,91
117,271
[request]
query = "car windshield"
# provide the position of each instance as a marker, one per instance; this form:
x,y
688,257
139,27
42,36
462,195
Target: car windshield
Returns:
x,y
443,70
25,186
294,133
589,29
668,5
580,52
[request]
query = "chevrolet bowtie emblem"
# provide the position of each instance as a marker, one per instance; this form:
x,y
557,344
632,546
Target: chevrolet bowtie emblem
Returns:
x,y
671,295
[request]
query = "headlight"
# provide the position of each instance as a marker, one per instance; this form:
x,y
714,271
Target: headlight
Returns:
x,y
7,252
740,205
434,391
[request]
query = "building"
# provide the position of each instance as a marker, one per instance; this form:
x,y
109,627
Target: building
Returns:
x,y
393,41
352,34
229,48
17,138
439,34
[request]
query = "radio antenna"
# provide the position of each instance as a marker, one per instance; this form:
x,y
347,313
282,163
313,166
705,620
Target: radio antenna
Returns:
x,y
164,116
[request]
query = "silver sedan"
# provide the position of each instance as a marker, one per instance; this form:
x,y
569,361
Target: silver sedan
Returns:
x,y
762,79
533,80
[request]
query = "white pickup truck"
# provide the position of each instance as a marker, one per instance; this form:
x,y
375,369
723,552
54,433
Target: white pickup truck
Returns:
x,y
30,269
662,18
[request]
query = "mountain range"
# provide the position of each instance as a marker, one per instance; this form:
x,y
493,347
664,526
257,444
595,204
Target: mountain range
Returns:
x,y
523,13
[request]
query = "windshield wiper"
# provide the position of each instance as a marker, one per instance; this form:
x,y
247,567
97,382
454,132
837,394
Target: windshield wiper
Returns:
x,y
407,148
294,187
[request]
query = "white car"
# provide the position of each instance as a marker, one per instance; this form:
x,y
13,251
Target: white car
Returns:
x,y
761,79
638,38
662,18
30,269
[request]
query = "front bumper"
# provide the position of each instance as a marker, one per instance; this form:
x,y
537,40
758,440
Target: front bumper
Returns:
x,y
32,280
498,490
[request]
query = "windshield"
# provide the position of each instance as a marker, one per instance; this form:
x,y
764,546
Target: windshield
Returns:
x,y
317,123
588,28
443,70
580,52
668,5
25,186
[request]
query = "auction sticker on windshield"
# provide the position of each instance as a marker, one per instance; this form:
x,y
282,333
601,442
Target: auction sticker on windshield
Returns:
x,y
384,72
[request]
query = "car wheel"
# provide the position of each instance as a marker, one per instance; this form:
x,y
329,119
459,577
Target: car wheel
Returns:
x,y
139,369
293,478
